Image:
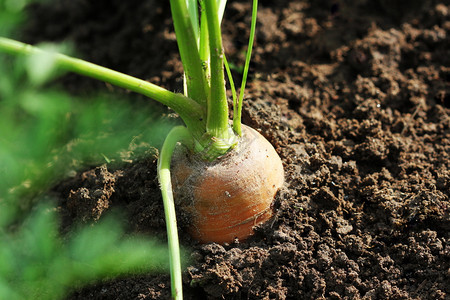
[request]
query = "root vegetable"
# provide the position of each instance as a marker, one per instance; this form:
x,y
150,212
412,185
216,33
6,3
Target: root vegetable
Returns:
x,y
227,197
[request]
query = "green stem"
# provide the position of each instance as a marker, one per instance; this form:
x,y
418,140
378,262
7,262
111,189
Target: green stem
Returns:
x,y
217,115
204,43
187,39
192,8
237,109
190,111
232,86
177,134
204,36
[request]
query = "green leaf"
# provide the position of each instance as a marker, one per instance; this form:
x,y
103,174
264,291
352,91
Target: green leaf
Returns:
x,y
35,263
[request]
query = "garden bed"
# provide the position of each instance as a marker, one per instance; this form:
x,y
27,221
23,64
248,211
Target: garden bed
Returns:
x,y
354,96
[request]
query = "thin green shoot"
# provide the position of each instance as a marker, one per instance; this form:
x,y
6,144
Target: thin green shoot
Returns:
x,y
230,79
177,134
237,109
107,160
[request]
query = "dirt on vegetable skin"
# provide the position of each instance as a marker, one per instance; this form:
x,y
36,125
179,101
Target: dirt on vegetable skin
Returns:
x,y
354,96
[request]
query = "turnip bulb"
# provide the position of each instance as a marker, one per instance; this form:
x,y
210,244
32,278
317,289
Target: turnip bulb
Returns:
x,y
227,197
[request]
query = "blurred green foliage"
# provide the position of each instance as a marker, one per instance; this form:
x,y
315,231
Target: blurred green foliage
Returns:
x,y
46,134
35,263
11,14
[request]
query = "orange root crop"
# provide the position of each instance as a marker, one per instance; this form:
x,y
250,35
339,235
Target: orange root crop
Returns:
x,y
226,198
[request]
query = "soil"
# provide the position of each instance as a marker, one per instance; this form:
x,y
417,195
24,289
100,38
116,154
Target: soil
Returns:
x,y
355,97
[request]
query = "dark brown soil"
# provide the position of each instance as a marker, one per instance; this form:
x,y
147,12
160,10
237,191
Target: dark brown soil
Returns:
x,y
354,95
